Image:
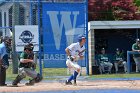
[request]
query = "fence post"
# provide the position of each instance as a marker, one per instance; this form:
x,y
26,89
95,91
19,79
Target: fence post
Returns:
x,y
128,61
15,21
40,53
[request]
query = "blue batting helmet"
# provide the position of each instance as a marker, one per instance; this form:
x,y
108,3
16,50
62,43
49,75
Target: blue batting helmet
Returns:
x,y
117,49
80,37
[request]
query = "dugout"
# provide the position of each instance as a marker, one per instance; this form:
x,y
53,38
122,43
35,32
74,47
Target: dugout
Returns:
x,y
111,35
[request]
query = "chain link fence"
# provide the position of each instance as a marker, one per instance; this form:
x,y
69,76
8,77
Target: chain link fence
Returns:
x,y
25,12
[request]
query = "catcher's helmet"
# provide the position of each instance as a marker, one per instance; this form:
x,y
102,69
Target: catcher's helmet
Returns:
x,y
31,46
27,47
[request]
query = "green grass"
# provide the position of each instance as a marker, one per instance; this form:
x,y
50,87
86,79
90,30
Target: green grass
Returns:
x,y
54,72
132,75
48,72
9,74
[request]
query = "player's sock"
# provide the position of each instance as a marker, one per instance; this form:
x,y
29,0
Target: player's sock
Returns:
x,y
75,75
70,78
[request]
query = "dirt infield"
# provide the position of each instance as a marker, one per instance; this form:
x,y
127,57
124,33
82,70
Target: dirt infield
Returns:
x,y
94,84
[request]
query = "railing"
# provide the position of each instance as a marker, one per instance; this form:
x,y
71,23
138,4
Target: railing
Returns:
x,y
128,59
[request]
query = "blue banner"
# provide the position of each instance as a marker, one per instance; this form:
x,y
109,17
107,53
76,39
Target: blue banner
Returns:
x,y
62,22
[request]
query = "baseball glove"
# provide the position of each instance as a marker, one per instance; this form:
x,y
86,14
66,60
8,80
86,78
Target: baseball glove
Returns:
x,y
33,65
71,58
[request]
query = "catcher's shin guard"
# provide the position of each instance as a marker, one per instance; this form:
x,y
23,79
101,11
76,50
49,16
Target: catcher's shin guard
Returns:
x,y
17,80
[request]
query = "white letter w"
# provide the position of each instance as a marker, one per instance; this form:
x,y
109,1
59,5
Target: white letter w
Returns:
x,y
57,25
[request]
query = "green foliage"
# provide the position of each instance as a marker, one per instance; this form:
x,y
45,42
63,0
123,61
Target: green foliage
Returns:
x,y
113,10
137,2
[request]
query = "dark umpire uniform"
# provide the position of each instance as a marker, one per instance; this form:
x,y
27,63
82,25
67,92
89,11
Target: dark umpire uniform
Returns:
x,y
4,63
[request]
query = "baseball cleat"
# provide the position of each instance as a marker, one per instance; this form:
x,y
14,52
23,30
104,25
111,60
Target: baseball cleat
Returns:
x,y
75,84
30,83
3,84
14,86
68,83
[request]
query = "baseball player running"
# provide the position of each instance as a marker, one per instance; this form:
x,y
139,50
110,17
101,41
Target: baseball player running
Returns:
x,y
75,52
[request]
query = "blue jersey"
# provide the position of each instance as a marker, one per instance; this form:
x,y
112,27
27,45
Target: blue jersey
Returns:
x,y
2,50
4,55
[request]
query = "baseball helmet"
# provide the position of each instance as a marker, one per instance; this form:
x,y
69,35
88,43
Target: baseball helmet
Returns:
x,y
7,39
137,40
117,49
80,37
31,46
103,48
27,47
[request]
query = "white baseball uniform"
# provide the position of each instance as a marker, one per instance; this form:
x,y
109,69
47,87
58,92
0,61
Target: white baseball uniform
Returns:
x,y
75,51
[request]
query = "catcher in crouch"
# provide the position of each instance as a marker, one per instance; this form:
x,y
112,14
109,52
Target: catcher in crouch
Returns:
x,y
74,52
25,68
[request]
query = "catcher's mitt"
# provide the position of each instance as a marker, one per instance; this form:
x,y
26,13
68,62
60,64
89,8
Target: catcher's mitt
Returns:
x,y
33,65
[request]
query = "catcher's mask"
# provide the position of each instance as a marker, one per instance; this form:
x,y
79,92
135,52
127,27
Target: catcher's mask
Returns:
x,y
7,40
31,46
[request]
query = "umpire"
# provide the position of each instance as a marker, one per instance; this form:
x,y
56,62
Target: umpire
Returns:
x,y
4,63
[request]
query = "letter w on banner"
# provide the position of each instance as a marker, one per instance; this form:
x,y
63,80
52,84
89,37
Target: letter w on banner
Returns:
x,y
61,24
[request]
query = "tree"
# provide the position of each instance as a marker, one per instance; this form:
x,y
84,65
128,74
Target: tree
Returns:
x,y
100,10
137,2
112,10
125,10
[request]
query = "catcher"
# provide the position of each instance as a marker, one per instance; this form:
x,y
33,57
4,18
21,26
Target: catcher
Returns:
x,y
31,55
25,68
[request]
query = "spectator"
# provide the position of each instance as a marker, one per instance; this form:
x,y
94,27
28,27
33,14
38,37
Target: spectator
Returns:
x,y
136,57
104,61
118,59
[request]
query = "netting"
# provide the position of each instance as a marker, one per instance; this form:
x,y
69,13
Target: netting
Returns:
x,y
25,12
